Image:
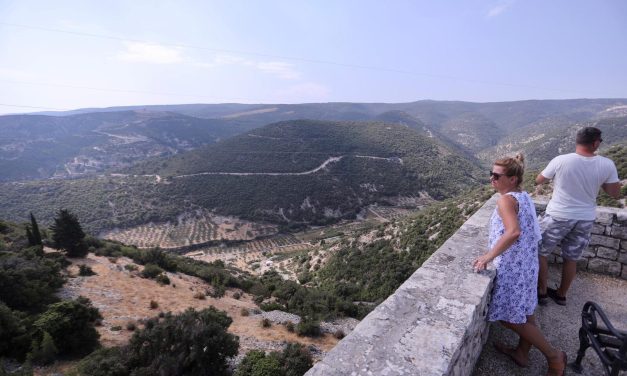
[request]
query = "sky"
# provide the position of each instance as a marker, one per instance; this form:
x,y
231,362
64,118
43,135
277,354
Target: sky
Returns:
x,y
62,55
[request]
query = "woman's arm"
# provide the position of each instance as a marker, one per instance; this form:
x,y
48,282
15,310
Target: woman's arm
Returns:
x,y
507,207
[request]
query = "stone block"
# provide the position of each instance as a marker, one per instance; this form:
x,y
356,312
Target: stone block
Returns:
x,y
589,252
598,229
622,258
621,216
623,245
605,241
607,253
619,232
582,264
602,266
604,217
624,273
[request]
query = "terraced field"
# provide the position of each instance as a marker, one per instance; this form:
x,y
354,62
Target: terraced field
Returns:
x,y
191,229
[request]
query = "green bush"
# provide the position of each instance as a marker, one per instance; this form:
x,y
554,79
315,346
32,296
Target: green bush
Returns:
x,y
130,267
151,271
162,279
71,325
192,343
85,270
308,328
28,282
104,362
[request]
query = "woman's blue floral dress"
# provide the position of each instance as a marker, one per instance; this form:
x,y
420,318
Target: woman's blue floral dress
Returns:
x,y
514,296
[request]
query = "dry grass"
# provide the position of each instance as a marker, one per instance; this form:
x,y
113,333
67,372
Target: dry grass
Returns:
x,y
123,296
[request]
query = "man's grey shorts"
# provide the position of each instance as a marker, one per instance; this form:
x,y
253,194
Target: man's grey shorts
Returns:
x,y
574,235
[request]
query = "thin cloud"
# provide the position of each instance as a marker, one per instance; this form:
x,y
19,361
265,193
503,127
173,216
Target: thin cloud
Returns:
x,y
138,52
499,9
280,69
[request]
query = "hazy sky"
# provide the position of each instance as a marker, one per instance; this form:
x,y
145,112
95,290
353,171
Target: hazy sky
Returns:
x,y
73,54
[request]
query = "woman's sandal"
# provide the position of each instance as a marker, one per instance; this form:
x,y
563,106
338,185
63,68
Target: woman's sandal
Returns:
x,y
558,371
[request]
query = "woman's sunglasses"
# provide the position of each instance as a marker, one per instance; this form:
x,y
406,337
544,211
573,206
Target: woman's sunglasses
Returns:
x,y
495,175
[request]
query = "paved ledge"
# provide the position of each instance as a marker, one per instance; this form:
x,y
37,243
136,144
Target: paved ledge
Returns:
x,y
561,327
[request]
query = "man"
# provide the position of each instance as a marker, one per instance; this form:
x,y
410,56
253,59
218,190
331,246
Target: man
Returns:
x,y
571,211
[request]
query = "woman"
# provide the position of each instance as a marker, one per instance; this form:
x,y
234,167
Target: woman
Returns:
x,y
513,247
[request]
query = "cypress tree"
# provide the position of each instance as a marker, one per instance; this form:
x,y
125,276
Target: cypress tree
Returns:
x,y
29,236
35,230
68,234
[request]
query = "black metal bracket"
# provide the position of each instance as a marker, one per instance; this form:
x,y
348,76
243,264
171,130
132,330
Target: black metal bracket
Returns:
x,y
609,343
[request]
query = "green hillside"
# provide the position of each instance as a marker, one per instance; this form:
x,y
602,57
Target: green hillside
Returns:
x,y
374,161
38,146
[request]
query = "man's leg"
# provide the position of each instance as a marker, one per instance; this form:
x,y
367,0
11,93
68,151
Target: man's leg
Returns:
x,y
573,245
569,271
543,274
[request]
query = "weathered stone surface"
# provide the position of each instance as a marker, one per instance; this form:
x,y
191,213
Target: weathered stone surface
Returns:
x,y
607,253
589,252
622,258
621,216
605,241
604,216
623,245
624,273
598,229
619,232
582,264
598,265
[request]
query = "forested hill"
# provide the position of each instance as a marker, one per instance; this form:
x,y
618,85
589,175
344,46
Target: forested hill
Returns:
x,y
290,172
38,146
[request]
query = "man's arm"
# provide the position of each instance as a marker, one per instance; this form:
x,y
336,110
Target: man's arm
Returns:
x,y
540,179
612,189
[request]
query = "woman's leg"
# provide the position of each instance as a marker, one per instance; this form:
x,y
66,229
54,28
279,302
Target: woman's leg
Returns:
x,y
530,335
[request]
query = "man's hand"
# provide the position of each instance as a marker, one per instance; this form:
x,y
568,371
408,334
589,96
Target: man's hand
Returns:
x,y
612,189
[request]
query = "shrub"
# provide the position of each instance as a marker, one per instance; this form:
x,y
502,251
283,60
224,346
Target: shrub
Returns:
x,y
272,306
162,279
154,304
289,326
131,326
130,267
116,328
85,270
199,295
295,359
45,352
151,271
308,327
192,343
237,295
265,323
339,334
244,312
71,325
104,362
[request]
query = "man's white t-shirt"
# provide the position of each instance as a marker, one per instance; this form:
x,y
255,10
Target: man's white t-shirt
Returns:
x,y
576,183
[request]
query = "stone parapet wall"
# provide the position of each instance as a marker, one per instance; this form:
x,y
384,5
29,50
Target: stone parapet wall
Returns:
x,y
435,322
607,251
